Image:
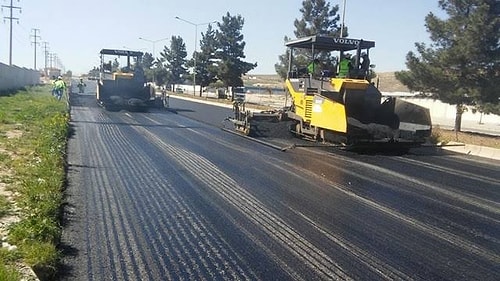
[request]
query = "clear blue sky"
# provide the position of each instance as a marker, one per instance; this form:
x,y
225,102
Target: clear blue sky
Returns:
x,y
77,30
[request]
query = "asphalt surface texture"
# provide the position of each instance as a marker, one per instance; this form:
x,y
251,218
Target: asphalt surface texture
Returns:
x,y
169,195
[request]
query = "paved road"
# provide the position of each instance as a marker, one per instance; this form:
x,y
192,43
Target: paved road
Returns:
x,y
163,196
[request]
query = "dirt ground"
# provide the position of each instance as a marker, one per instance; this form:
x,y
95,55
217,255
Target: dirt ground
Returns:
x,y
467,138
386,81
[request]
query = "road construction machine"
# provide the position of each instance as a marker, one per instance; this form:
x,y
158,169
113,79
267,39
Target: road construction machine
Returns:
x,y
125,87
341,106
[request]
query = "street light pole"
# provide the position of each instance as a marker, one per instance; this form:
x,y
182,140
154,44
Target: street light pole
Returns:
x,y
154,42
195,47
154,58
343,20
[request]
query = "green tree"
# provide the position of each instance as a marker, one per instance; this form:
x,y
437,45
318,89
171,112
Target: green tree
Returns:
x,y
174,62
206,70
147,64
462,64
148,60
318,18
161,76
230,51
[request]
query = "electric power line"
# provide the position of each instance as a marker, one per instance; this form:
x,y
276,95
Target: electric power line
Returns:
x,y
46,54
11,7
34,42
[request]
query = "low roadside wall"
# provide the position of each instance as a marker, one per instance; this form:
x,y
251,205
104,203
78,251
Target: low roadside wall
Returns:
x,y
443,114
14,77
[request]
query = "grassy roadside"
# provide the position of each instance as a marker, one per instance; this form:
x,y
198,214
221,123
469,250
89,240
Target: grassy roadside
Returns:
x,y
33,136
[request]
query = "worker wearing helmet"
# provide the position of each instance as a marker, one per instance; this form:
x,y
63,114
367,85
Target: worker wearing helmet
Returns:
x,y
59,88
81,86
345,66
365,65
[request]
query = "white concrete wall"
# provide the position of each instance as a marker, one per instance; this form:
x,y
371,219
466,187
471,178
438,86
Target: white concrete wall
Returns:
x,y
442,110
14,77
443,114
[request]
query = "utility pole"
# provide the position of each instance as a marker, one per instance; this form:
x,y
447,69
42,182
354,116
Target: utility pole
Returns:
x,y
51,64
35,37
52,60
55,60
11,17
46,54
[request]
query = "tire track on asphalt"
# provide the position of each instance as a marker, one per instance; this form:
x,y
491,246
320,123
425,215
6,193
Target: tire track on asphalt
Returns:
x,y
386,270
125,226
476,177
187,249
107,205
431,230
441,234
467,199
105,191
371,262
92,230
121,154
291,272
248,205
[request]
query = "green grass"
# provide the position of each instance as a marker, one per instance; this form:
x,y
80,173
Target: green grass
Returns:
x,y
5,207
35,160
9,273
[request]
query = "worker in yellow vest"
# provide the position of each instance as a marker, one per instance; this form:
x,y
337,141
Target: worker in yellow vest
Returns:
x,y
59,88
345,66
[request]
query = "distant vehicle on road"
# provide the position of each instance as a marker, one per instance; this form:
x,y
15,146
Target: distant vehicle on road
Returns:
x,y
125,87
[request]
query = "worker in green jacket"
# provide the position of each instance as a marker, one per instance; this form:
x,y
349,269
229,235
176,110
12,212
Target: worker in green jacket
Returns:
x,y
345,66
313,67
59,88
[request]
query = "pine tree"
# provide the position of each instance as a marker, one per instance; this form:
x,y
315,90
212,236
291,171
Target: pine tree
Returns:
x,y
147,60
206,71
230,51
147,64
318,18
174,61
462,64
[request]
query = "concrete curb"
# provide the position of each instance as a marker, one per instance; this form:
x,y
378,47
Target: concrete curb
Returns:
x,y
476,150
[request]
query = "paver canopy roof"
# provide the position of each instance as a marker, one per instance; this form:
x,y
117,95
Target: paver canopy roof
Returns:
x,y
326,43
121,53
